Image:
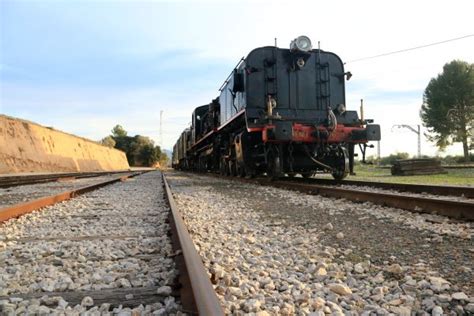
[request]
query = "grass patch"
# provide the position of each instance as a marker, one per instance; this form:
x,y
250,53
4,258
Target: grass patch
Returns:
x,y
462,177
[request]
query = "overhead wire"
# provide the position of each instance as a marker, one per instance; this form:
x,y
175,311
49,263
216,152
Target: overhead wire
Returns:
x,y
409,49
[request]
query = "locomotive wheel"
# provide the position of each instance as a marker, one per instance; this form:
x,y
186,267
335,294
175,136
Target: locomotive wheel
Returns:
x,y
307,175
232,168
240,171
341,168
223,167
291,175
250,172
273,165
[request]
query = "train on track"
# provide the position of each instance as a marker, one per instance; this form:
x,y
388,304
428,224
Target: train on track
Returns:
x,y
281,111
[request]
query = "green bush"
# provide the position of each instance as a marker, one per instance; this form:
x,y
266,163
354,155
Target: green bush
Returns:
x,y
390,160
140,150
452,160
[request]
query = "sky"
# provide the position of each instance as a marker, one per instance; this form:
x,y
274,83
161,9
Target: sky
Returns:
x,y
85,66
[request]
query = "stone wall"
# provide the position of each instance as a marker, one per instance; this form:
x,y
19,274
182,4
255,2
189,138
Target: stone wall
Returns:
x,y
29,147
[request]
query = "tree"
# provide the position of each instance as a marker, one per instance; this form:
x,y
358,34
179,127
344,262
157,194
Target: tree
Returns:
x,y
140,150
119,131
164,159
448,106
149,155
108,141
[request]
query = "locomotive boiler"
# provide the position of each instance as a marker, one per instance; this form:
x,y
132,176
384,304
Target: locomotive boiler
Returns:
x,y
281,111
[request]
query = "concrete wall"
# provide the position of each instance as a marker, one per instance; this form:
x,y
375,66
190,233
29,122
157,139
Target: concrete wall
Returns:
x,y
29,147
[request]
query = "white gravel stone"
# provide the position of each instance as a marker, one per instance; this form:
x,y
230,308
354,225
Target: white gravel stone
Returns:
x,y
359,268
320,272
252,306
340,289
164,290
87,301
249,239
47,285
460,296
62,303
394,268
437,311
469,308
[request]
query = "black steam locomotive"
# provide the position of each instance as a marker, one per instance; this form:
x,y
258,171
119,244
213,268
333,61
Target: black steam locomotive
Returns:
x,y
281,111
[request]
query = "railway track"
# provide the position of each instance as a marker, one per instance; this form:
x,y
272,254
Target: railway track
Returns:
x,y
458,209
194,293
281,252
16,210
197,293
462,191
462,208
102,255
7,181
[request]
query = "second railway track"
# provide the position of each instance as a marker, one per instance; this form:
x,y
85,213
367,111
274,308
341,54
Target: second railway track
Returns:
x,y
406,197
463,191
455,208
7,181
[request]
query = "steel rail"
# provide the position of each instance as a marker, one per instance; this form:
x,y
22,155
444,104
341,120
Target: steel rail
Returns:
x,y
463,210
15,180
455,209
204,298
467,192
17,210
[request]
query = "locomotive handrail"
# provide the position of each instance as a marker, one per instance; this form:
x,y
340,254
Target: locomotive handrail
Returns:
x,y
228,77
231,119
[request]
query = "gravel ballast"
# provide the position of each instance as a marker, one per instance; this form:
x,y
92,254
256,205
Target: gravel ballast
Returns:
x,y
114,238
276,252
420,195
24,193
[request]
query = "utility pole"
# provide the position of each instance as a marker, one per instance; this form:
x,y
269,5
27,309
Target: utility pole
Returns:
x,y
378,150
161,129
417,131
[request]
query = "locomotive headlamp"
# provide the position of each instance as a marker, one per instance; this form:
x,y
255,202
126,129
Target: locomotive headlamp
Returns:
x,y
301,43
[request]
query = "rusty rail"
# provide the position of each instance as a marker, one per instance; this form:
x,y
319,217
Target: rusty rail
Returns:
x,y
28,207
203,299
455,209
7,181
463,210
467,192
